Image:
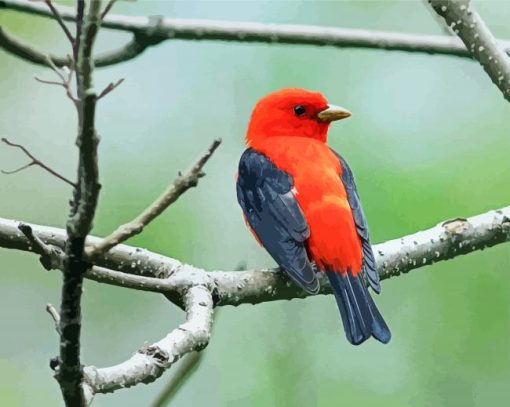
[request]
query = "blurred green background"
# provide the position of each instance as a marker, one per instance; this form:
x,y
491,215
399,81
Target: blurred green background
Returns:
x,y
428,141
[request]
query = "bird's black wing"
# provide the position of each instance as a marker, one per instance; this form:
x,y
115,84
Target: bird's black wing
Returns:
x,y
265,195
369,265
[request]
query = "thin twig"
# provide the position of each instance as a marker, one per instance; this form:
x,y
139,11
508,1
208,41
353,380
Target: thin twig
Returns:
x,y
47,82
24,167
180,185
107,8
55,69
58,17
50,309
109,88
35,161
66,84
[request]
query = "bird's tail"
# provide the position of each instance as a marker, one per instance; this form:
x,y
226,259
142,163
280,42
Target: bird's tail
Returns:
x,y
360,316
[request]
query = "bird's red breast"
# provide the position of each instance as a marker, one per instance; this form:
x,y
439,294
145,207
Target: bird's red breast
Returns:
x,y
334,243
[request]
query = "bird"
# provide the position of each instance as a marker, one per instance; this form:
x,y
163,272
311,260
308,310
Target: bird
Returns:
x,y
300,201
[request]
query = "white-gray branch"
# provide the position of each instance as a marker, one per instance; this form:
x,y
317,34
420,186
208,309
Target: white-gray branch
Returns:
x,y
462,17
194,289
151,361
149,31
141,269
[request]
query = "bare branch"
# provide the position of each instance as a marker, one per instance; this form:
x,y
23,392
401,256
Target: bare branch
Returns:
x,y
69,371
58,17
109,88
50,309
150,362
55,69
65,81
443,242
185,369
153,30
17,47
52,259
107,8
34,161
51,256
80,10
24,167
142,283
180,185
47,82
465,21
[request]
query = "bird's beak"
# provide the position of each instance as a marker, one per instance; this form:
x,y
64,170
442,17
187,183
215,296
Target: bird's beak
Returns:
x,y
332,113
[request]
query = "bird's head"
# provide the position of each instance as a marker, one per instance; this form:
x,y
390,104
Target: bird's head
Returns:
x,y
293,112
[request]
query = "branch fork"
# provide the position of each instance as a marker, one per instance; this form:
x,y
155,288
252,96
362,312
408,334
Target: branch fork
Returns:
x,y
35,161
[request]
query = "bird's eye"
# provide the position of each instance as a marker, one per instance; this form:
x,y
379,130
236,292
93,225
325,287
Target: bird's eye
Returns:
x,y
299,110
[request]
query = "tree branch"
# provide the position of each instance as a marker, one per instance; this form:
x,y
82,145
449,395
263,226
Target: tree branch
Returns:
x,y
19,48
150,362
50,309
185,369
65,81
445,241
465,21
51,256
58,17
111,87
34,161
107,8
149,31
68,370
163,274
178,187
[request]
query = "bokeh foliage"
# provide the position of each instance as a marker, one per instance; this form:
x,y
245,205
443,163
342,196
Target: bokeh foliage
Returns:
x,y
428,141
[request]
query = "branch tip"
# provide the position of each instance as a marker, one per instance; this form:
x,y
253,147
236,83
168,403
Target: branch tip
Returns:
x,y
178,187
35,161
50,309
50,256
60,21
110,88
107,9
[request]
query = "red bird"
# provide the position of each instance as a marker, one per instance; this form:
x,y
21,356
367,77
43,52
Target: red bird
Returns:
x,y
300,201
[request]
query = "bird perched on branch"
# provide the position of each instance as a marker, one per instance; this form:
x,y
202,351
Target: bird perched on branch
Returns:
x,y
300,201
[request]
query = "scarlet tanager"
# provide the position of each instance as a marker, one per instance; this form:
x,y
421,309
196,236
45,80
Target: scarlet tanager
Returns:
x,y
300,201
